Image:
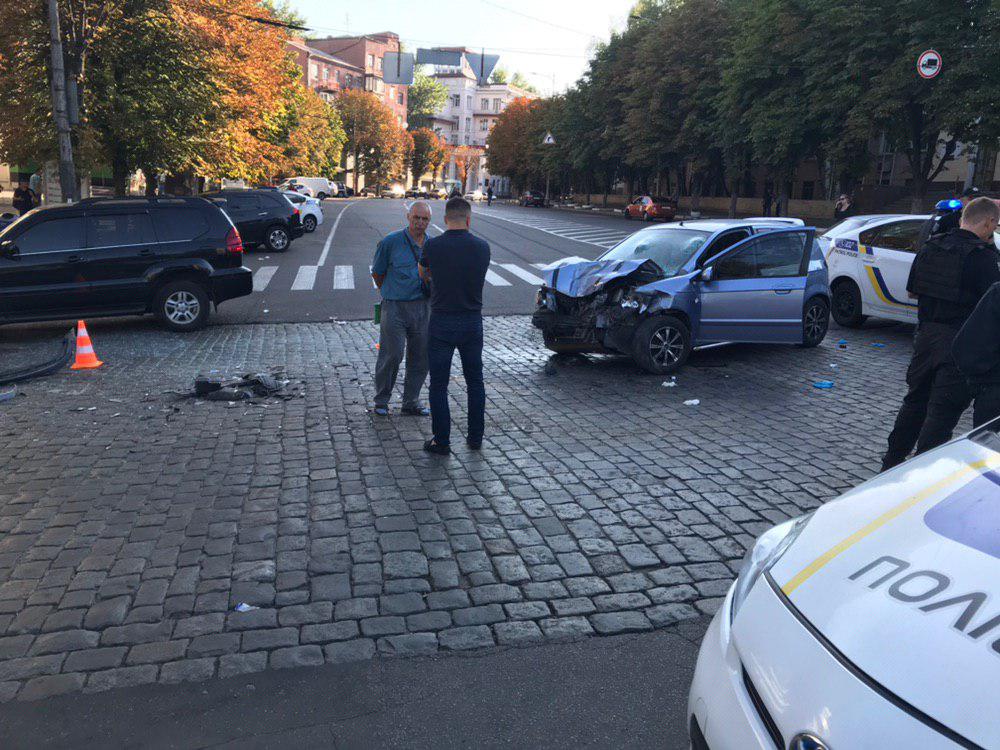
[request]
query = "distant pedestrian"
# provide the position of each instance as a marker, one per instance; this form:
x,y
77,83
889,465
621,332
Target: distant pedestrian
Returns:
x,y
35,183
843,208
948,277
24,197
489,195
977,356
768,200
455,264
404,313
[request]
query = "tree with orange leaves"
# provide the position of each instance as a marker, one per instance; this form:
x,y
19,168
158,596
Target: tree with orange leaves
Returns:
x,y
466,160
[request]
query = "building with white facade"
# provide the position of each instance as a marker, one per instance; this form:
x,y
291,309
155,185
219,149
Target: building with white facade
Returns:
x,y
467,118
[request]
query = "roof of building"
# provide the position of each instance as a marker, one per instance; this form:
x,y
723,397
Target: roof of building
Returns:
x,y
301,45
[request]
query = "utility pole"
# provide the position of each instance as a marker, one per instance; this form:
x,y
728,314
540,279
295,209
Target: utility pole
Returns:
x,y
67,170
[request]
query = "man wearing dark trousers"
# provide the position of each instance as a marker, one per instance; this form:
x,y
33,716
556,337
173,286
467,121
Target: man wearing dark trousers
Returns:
x,y
977,354
455,264
949,276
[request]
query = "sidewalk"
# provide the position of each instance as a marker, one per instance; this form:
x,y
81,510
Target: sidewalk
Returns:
x,y
621,692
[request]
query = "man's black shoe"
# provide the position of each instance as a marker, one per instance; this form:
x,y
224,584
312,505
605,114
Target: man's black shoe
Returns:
x,y
474,445
415,411
431,447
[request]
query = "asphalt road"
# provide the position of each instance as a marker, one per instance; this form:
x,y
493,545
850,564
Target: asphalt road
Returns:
x,y
326,274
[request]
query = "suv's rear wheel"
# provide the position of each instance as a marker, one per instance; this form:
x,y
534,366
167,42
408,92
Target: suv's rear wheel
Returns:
x,y
661,345
309,223
182,305
847,304
815,322
277,239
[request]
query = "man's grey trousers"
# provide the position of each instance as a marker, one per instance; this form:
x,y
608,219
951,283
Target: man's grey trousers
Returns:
x,y
403,327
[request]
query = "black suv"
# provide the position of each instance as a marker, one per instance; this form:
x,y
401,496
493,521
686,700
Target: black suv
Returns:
x,y
264,217
533,198
172,257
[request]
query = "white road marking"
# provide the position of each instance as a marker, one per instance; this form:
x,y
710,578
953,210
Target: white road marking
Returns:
x,y
343,277
495,279
305,279
333,231
565,229
521,273
263,277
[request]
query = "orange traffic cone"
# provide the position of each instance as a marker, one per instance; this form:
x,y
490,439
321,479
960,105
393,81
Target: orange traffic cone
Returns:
x,y
86,359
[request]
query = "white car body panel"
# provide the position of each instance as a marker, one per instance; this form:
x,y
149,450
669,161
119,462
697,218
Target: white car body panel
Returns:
x,y
879,272
315,186
833,637
309,207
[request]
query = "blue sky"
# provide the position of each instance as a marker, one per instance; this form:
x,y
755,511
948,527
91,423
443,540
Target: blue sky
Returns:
x,y
540,38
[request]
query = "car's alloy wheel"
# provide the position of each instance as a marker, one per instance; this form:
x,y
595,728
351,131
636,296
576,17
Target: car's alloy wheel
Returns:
x,y
181,308
815,323
661,344
277,239
309,223
666,346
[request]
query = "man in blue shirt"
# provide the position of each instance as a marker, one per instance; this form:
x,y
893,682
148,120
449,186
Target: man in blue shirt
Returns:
x,y
456,263
404,313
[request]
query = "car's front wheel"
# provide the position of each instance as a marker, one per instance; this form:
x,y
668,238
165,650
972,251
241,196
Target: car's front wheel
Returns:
x,y
322,196
815,322
847,309
182,305
277,239
309,223
661,345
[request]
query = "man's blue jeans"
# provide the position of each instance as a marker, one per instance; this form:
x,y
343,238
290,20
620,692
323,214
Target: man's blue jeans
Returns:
x,y
446,333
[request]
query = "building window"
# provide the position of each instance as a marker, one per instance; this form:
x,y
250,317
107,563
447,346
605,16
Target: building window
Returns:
x,y
326,73
496,105
456,100
468,102
468,127
399,98
371,61
313,71
486,104
378,63
484,125
808,189
339,76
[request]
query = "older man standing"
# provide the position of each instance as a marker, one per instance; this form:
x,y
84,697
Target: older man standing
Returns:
x,y
404,313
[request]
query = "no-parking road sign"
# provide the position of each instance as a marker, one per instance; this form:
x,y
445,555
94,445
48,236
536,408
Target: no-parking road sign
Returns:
x,y
929,63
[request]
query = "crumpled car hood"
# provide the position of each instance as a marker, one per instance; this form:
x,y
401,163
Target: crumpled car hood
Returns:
x,y
584,279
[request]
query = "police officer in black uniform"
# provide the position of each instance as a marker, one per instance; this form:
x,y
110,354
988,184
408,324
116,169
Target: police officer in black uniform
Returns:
x,y
948,277
947,215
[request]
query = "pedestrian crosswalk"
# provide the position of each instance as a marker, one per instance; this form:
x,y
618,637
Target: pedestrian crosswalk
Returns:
x,y
589,232
340,278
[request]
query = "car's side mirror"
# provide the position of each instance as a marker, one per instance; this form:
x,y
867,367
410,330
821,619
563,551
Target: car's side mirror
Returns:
x,y
8,249
707,273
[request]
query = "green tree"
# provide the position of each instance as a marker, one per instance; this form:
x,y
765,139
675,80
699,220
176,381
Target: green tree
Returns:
x,y
519,80
499,76
425,98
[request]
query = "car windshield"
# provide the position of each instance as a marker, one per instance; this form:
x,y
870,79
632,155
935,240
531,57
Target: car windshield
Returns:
x,y
849,225
670,249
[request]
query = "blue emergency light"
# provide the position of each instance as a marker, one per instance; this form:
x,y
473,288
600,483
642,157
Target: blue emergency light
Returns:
x,y
953,204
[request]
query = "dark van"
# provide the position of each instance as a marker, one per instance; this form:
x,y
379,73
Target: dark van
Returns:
x,y
172,257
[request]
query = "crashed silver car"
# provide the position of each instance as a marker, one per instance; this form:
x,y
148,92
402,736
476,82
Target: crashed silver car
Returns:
x,y
666,289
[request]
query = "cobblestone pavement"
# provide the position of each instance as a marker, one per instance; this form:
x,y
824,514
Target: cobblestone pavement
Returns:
x,y
134,522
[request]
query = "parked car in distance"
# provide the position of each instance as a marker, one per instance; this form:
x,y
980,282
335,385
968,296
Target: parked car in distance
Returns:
x,y
648,208
532,198
316,187
392,191
367,192
475,195
865,624
869,259
172,257
310,210
438,193
343,191
666,289
264,217
416,193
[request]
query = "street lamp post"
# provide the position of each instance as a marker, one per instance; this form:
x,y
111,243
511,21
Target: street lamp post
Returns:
x,y
548,140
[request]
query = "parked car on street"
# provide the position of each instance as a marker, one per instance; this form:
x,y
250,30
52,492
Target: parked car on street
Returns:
x,y
310,210
870,623
315,187
666,289
264,217
438,193
648,208
392,191
475,195
416,193
869,259
172,257
532,198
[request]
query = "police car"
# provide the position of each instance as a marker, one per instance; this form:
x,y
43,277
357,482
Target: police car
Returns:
x,y
869,258
874,622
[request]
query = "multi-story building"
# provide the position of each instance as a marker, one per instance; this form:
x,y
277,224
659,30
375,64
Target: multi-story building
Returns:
x,y
367,53
469,114
324,73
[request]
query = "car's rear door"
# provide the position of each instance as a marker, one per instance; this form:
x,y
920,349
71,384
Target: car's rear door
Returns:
x,y
121,247
45,278
886,253
756,292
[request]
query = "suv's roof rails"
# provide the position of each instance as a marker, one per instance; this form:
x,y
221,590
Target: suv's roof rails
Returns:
x,y
134,199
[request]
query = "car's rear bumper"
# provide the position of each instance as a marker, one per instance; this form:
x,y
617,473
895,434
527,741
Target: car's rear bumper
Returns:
x,y
296,231
229,283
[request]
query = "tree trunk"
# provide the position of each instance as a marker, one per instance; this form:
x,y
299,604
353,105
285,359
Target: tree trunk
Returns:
x,y
60,114
918,195
119,172
696,184
152,181
734,196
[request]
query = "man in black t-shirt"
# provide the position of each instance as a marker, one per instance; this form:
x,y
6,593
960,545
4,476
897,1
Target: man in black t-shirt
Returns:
x,y
24,198
455,264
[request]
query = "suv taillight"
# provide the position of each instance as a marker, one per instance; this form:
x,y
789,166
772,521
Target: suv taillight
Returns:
x,y
234,243
295,211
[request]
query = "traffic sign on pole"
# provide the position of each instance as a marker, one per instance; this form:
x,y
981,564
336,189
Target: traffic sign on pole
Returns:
x,y
548,140
929,63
